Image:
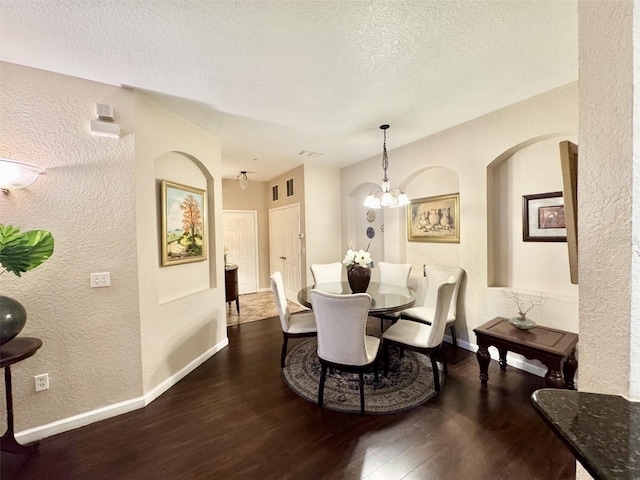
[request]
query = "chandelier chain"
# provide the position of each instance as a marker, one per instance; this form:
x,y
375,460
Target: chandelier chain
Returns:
x,y
385,158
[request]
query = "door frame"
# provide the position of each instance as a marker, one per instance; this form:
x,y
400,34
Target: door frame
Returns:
x,y
293,296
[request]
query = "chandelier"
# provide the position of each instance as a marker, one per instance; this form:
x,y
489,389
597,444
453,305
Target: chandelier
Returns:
x,y
385,196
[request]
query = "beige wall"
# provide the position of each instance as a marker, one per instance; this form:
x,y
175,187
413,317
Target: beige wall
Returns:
x,y
457,160
86,198
106,350
252,198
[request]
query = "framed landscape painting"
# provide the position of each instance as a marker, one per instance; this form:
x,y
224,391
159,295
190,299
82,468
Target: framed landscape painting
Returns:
x,y
183,224
543,218
434,219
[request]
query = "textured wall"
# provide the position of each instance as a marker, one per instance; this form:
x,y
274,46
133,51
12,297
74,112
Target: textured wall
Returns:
x,y
86,198
468,149
605,176
176,332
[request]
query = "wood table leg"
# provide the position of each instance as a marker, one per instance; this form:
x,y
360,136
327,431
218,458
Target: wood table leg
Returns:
x,y
554,379
8,442
569,369
503,358
483,360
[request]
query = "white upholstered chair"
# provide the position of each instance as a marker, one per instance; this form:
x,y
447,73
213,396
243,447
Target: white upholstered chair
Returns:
x,y
326,272
434,276
420,337
343,344
394,274
294,325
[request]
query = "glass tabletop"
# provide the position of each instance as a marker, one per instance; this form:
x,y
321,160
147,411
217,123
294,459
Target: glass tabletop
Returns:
x,y
385,298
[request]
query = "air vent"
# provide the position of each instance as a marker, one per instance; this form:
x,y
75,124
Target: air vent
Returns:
x,y
307,153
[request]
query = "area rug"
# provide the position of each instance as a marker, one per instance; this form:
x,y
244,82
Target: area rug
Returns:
x,y
408,384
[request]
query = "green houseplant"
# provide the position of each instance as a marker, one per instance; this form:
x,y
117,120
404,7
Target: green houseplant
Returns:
x,y
19,253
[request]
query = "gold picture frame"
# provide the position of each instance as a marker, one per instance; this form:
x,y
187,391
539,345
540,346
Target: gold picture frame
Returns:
x,y
434,219
184,224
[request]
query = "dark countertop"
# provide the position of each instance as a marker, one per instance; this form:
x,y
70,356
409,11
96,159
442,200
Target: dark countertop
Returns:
x,y
602,431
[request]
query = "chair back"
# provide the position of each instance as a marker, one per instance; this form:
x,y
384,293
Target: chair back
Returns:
x,y
326,272
435,275
394,273
341,321
444,292
277,286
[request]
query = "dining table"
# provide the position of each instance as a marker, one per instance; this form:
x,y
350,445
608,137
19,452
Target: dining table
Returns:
x,y
385,298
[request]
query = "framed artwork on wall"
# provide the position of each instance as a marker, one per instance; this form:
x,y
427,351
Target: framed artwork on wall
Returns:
x,y
183,224
543,218
434,219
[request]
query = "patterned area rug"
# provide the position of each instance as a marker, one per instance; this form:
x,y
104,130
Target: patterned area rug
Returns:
x,y
409,383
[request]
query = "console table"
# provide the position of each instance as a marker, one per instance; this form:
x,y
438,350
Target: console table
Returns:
x,y
554,348
15,351
231,284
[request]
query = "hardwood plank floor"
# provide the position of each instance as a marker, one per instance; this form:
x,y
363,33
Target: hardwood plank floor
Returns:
x,y
234,418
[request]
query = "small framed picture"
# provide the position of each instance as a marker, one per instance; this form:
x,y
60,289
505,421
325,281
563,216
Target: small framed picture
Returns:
x,y
543,218
434,219
183,224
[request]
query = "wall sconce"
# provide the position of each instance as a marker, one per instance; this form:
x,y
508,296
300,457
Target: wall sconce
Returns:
x,y
243,180
15,175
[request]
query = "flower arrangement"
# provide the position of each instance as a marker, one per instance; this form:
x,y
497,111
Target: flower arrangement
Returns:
x,y
353,258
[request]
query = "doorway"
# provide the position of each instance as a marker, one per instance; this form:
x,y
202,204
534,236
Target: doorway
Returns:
x,y
284,247
240,229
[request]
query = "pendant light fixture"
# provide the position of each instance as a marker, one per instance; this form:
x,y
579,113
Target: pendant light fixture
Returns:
x,y
242,179
15,175
385,196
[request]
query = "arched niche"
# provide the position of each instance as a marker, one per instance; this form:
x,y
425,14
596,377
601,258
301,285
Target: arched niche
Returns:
x,y
358,223
430,182
182,280
531,167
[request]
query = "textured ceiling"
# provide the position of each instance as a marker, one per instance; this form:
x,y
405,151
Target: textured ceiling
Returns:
x,y
273,78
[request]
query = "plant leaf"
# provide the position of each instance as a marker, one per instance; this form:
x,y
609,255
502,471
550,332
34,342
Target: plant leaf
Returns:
x,y
21,252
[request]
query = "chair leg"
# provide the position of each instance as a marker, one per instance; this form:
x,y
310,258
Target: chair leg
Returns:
x,y
323,374
452,328
385,348
284,350
361,393
436,373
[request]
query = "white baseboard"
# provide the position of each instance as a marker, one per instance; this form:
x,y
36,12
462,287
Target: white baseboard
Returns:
x,y
513,360
77,421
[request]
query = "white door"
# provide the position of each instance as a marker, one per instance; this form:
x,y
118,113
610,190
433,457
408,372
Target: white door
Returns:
x,y
284,247
241,238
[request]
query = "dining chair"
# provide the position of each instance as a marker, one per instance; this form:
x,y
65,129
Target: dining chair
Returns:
x,y
326,272
343,344
420,337
395,274
294,325
434,276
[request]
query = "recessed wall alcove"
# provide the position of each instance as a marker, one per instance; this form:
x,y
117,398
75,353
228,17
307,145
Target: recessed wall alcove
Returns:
x,y
532,167
182,280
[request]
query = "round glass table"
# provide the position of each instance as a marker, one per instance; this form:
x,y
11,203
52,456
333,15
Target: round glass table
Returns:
x,y
385,298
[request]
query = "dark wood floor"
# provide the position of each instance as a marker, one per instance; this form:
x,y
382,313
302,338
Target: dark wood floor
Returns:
x,y
234,418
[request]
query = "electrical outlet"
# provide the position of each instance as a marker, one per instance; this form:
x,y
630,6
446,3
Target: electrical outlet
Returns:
x,y
100,279
42,382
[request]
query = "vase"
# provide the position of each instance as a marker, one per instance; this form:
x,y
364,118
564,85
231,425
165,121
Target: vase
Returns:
x,y
359,278
522,322
13,316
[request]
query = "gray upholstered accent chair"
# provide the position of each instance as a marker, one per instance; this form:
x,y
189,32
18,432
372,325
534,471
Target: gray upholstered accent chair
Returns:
x,y
294,325
420,337
435,275
342,340
392,274
326,272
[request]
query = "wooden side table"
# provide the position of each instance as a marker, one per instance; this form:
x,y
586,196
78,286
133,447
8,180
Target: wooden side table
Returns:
x,y
15,351
231,284
554,348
